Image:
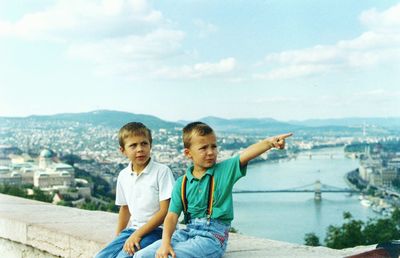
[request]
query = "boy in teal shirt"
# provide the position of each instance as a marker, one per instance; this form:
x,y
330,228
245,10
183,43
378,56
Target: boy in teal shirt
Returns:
x,y
204,194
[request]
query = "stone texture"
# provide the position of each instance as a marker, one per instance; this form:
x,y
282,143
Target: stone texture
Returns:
x,y
34,227
10,249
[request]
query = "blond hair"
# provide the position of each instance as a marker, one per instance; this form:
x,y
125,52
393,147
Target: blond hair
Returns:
x,y
133,128
198,128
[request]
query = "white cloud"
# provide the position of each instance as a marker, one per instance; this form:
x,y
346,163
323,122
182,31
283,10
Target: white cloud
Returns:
x,y
378,93
72,19
155,45
199,70
379,45
293,71
119,37
205,28
386,21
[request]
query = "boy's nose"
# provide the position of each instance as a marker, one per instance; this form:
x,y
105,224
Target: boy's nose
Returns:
x,y
210,151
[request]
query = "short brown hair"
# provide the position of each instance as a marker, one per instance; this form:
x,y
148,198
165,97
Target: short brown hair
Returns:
x,y
133,128
198,128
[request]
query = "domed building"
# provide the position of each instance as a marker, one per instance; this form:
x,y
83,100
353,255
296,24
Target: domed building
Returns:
x,y
45,159
51,174
45,173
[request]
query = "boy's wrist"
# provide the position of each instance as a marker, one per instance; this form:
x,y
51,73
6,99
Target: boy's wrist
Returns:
x,y
138,233
270,144
166,242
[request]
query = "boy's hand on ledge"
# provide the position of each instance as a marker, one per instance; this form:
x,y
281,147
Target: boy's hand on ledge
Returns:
x,y
164,251
279,140
131,243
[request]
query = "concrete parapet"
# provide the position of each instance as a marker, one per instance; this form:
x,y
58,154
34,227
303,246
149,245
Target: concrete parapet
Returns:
x,y
36,229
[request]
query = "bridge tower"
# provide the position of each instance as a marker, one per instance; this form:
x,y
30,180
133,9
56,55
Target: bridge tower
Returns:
x,y
317,191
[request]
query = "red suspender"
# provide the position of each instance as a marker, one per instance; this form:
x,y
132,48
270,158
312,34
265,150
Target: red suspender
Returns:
x,y
210,197
183,193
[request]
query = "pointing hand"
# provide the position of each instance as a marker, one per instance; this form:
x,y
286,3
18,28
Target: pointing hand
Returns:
x,y
279,140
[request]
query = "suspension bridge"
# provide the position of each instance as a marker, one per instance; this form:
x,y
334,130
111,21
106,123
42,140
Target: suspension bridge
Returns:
x,y
310,155
317,188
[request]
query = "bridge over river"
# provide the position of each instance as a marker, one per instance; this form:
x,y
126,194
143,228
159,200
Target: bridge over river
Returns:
x,y
317,188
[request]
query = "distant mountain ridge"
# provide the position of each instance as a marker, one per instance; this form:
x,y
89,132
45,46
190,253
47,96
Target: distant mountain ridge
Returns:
x,y
116,119
249,125
351,121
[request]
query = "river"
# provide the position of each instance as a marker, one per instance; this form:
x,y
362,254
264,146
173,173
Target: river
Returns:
x,y
289,216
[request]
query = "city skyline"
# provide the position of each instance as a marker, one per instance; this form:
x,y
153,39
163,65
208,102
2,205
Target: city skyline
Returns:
x,y
187,60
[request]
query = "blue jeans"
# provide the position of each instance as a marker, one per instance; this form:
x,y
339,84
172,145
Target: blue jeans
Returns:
x,y
115,248
199,239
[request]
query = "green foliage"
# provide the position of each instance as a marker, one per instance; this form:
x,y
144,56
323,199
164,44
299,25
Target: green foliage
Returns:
x,y
71,159
355,232
92,205
19,191
311,239
13,190
39,195
347,235
100,186
371,190
65,203
381,230
233,230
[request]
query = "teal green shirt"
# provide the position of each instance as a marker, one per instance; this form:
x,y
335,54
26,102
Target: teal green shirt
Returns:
x,y
226,173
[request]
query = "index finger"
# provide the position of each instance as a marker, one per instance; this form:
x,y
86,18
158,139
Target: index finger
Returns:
x,y
137,246
284,136
172,254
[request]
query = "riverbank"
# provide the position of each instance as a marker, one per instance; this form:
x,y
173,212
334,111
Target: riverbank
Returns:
x,y
270,215
378,201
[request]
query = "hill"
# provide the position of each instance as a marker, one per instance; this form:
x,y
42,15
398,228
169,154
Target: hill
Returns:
x,y
114,119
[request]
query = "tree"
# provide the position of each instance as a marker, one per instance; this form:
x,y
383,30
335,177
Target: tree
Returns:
x,y
13,190
348,235
39,195
381,230
311,239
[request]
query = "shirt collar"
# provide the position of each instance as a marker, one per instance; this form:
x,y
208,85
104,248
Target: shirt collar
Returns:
x,y
146,170
190,177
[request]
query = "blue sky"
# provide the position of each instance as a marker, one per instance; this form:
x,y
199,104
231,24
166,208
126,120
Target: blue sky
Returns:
x,y
288,60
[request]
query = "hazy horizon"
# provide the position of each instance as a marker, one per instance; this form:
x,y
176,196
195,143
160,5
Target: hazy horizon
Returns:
x,y
337,118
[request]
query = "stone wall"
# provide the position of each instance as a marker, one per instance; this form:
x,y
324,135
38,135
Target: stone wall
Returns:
x,y
36,229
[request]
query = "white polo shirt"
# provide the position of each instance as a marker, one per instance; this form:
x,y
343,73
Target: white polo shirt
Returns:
x,y
143,193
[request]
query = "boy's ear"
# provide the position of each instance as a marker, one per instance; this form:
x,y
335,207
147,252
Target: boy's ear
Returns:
x,y
121,149
186,152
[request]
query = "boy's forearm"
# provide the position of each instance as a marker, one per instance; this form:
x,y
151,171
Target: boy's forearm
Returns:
x,y
123,218
169,227
152,224
255,150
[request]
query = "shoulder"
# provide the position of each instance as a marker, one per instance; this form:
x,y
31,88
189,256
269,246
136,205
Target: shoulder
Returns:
x,y
179,179
227,162
156,165
124,172
160,168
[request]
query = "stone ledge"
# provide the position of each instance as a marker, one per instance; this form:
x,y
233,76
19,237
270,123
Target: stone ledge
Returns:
x,y
70,232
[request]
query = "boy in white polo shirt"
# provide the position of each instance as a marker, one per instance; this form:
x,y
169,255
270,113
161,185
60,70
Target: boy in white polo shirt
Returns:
x,y
143,193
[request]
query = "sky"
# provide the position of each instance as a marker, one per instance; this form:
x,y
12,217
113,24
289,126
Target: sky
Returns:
x,y
281,59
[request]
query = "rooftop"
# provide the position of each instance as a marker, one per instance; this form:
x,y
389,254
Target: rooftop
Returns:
x,y
35,229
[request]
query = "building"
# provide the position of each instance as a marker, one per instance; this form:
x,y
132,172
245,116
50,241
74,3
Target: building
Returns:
x,y
44,173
